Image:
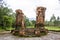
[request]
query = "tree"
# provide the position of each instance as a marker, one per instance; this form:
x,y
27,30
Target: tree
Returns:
x,y
7,22
58,21
58,18
33,22
4,11
53,19
6,18
27,21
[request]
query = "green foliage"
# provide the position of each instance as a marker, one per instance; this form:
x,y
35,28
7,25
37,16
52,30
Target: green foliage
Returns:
x,y
27,22
57,22
6,18
53,18
33,22
8,21
53,21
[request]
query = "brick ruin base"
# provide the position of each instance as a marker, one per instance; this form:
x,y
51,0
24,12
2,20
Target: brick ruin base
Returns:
x,y
39,26
40,17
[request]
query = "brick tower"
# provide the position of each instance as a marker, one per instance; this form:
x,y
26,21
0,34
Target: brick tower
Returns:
x,y
40,16
19,19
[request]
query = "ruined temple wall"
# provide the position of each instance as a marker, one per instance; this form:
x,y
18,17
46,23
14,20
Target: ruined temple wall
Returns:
x,y
20,18
40,15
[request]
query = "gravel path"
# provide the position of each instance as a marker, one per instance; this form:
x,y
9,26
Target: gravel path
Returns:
x,y
49,36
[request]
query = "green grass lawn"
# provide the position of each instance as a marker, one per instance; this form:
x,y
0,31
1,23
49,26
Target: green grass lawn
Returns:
x,y
48,27
30,27
53,28
6,29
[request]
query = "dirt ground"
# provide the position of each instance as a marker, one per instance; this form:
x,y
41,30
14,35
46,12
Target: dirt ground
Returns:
x,y
49,36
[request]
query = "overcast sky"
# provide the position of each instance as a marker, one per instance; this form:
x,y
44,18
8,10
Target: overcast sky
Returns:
x,y
29,7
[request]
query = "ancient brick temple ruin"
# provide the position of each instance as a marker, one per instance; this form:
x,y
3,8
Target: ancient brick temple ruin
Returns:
x,y
19,19
20,24
40,17
39,26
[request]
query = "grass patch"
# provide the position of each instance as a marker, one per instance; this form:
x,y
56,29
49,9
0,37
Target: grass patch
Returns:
x,y
9,28
56,28
1,30
47,27
53,28
30,27
6,29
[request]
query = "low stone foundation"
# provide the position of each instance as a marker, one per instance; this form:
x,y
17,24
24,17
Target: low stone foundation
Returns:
x,y
30,32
